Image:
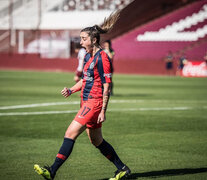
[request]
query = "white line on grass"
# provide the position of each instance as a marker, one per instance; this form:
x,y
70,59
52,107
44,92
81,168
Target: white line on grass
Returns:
x,y
60,103
111,110
37,113
78,102
38,105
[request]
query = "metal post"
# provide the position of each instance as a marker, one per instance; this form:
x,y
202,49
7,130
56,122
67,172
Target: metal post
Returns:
x,y
67,37
39,13
13,37
10,25
21,42
38,25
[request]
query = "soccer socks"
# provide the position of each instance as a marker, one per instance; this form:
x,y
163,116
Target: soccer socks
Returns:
x,y
63,154
108,151
105,148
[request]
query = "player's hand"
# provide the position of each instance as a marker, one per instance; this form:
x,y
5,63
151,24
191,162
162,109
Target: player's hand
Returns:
x,y
66,92
101,117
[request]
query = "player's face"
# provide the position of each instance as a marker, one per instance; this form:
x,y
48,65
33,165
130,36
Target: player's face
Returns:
x,y
86,41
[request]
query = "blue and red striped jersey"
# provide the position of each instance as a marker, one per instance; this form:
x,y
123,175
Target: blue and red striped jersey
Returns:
x,y
96,72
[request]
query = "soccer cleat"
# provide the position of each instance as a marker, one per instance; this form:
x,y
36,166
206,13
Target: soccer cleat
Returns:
x,y
121,173
44,171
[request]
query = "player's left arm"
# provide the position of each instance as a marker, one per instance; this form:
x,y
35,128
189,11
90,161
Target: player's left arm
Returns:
x,y
104,68
106,96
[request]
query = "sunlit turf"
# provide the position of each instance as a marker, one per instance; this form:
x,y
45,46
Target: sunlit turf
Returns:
x,y
158,126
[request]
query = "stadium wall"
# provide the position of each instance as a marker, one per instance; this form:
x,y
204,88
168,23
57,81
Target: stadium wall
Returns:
x,y
34,62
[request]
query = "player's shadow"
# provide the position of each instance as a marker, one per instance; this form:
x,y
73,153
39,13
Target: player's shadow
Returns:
x,y
166,172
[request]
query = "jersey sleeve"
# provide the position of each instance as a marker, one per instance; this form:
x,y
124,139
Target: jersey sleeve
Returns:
x,y
104,68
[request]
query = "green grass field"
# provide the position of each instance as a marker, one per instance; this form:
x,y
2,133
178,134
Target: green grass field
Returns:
x,y
158,126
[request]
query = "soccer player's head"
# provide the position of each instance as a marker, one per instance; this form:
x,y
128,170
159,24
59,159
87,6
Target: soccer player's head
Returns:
x,y
90,36
107,44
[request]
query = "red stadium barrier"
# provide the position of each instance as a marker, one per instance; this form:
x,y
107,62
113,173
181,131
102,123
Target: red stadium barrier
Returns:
x,y
34,62
144,66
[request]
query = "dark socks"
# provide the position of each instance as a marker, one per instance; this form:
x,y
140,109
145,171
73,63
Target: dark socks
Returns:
x,y
108,151
63,154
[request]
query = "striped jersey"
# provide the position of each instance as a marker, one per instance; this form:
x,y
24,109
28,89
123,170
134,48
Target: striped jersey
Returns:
x,y
96,72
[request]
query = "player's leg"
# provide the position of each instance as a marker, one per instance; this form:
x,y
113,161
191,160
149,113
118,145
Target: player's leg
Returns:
x,y
73,131
95,136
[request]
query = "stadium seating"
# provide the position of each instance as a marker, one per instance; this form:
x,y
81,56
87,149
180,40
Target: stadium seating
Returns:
x,y
25,14
82,5
140,44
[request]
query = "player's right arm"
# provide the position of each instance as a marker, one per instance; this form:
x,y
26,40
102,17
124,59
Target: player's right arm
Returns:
x,y
77,87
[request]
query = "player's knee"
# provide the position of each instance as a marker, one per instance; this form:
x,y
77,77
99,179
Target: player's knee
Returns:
x,y
70,135
95,142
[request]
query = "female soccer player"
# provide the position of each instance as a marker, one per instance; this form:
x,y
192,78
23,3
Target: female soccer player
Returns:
x,y
81,55
108,50
95,92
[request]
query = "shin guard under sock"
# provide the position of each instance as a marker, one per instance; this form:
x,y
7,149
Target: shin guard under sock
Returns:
x,y
63,154
108,151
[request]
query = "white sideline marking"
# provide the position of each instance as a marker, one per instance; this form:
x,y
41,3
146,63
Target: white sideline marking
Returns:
x,y
37,105
78,102
37,113
111,110
60,103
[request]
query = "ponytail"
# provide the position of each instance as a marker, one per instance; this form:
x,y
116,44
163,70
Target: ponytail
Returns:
x,y
110,21
95,31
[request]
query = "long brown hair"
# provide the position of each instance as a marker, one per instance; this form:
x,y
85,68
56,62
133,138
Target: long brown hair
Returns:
x,y
95,31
